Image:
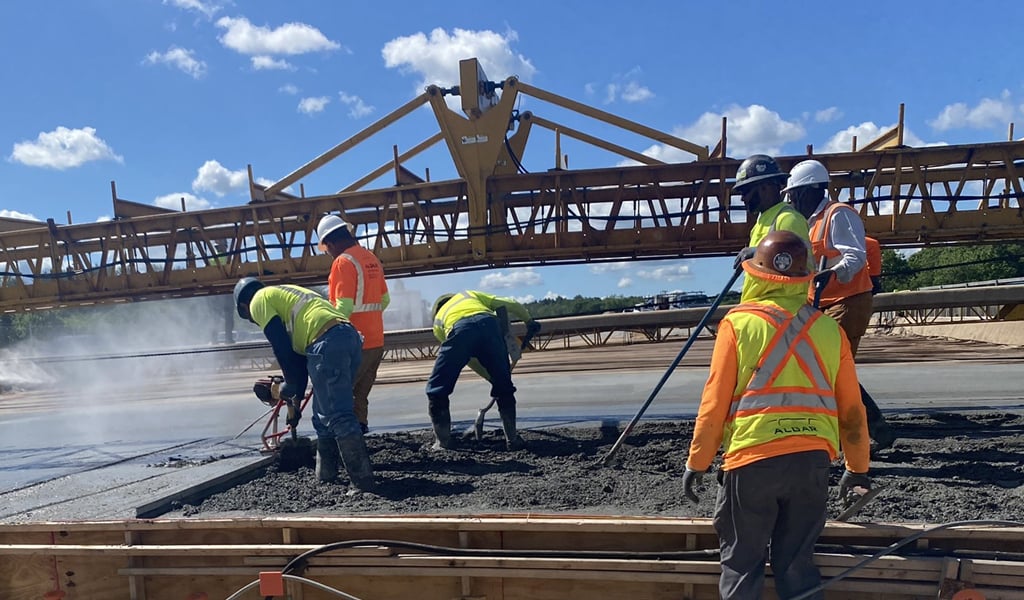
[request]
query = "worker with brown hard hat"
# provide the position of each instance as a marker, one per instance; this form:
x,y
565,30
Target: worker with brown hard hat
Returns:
x,y
467,326
312,340
782,400
356,286
759,181
838,236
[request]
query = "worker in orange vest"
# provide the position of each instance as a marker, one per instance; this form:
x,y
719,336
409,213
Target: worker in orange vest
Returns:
x,y
837,235
782,400
356,287
874,264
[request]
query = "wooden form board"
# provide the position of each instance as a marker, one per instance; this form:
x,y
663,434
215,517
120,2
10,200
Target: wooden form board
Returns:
x,y
175,559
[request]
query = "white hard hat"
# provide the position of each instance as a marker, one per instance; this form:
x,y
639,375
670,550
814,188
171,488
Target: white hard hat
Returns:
x,y
808,172
325,227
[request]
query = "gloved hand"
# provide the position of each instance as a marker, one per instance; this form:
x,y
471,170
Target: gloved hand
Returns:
x,y
290,391
822,278
852,480
532,328
744,254
876,285
692,479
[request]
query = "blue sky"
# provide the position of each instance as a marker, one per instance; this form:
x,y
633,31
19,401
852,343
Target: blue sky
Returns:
x,y
173,98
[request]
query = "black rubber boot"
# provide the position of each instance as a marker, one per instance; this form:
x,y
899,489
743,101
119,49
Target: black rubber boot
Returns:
x,y
327,458
357,462
881,434
508,425
441,421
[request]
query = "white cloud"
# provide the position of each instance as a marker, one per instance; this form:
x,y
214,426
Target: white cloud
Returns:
x,y
609,267
525,299
179,58
214,177
828,115
208,9
634,92
990,112
13,214
289,89
313,105
665,273
358,108
436,59
63,148
269,63
291,38
625,282
553,296
523,277
173,201
867,132
751,130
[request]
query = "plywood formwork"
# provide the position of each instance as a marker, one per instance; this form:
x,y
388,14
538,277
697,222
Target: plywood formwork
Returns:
x,y
501,557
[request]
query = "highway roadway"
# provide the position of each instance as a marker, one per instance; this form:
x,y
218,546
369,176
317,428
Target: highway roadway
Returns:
x,y
105,427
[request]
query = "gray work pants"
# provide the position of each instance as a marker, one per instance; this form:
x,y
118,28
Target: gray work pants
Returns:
x,y
773,509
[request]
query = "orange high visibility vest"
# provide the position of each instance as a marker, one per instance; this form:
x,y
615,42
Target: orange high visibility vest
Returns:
x,y
835,291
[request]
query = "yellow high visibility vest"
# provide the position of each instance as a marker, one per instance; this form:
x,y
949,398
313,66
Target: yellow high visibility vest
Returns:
x,y
790,390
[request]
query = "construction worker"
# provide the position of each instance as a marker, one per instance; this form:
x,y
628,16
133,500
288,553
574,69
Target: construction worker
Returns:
x,y
759,182
782,400
874,264
467,326
357,288
837,235
313,340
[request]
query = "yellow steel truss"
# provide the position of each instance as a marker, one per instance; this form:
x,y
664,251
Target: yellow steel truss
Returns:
x,y
495,215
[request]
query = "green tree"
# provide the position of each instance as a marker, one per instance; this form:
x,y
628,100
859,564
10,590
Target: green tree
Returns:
x,y
962,264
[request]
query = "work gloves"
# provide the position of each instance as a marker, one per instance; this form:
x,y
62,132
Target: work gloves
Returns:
x,y
692,479
822,278
742,255
851,481
292,396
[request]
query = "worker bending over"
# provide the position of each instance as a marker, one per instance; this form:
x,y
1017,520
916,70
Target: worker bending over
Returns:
x,y
837,235
467,327
357,288
312,340
782,400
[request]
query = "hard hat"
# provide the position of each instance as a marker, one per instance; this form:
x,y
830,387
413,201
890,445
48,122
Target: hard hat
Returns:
x,y
328,225
781,253
759,167
808,172
245,289
441,301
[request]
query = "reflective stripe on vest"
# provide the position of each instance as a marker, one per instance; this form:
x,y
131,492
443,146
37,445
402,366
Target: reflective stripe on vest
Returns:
x,y
304,298
448,306
835,291
359,304
768,408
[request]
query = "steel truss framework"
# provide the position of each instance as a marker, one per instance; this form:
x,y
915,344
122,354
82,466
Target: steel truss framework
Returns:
x,y
494,216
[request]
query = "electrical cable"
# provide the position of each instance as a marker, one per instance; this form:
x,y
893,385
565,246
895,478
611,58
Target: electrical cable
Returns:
x,y
896,546
330,590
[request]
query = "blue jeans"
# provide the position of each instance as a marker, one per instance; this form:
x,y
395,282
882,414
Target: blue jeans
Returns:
x,y
332,361
478,336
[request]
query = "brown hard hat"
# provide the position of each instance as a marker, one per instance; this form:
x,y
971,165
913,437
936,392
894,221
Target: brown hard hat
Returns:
x,y
781,253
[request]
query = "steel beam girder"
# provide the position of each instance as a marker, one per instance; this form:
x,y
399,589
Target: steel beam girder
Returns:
x,y
907,197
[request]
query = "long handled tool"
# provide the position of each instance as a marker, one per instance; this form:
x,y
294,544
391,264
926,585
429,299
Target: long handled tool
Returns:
x,y
689,342
516,348
857,500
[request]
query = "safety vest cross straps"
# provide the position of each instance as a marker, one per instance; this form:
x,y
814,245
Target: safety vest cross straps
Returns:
x,y
779,402
361,305
449,307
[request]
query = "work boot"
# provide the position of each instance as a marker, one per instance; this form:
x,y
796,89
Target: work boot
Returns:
x,y
508,425
327,458
357,462
882,436
442,433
